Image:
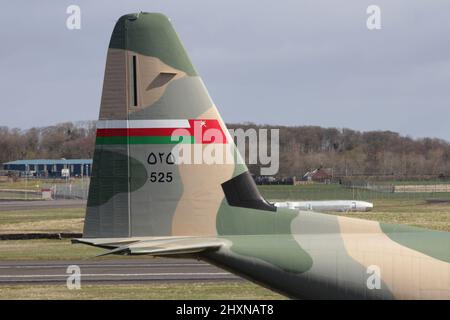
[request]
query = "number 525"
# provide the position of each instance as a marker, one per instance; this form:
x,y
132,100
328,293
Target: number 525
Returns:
x,y
161,177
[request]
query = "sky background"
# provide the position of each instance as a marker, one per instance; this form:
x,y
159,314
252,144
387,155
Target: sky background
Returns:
x,y
277,62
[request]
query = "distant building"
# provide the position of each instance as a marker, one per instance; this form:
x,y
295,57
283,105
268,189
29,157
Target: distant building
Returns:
x,y
319,175
50,167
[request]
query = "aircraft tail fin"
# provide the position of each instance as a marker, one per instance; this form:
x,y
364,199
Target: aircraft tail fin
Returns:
x,y
156,121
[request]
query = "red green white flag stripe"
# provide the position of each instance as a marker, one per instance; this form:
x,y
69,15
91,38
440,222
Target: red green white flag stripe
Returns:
x,y
161,131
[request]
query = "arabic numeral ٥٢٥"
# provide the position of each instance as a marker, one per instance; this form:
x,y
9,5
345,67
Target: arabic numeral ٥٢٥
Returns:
x,y
160,157
161,177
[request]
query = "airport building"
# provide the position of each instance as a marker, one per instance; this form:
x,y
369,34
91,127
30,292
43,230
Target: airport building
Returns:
x,y
50,167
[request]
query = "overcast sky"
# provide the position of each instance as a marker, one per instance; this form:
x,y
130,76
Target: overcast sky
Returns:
x,y
279,62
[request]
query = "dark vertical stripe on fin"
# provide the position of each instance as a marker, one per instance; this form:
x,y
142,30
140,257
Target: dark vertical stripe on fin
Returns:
x,y
134,77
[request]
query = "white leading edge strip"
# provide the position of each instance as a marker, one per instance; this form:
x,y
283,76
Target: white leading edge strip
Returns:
x,y
138,124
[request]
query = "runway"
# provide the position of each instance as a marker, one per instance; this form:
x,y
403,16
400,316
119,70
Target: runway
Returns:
x,y
130,270
112,271
40,204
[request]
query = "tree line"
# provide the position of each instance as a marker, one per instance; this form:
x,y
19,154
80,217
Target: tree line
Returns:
x,y
65,140
302,148
354,153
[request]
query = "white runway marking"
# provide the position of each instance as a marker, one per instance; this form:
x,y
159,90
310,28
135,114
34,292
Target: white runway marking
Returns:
x,y
105,266
119,275
116,271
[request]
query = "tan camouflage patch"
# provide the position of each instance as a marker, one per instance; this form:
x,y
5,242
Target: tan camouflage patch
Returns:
x,y
409,274
197,210
153,77
114,95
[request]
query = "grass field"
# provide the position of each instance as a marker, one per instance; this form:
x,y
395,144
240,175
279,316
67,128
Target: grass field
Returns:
x,y
338,192
45,250
14,196
415,182
32,183
50,220
169,291
25,184
79,186
410,212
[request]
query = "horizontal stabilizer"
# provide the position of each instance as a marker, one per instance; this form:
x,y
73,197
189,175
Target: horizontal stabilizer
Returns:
x,y
156,246
107,243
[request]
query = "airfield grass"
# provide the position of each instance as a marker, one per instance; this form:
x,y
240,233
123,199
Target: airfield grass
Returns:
x,y
414,182
161,291
318,191
46,221
6,188
410,212
19,196
42,249
32,183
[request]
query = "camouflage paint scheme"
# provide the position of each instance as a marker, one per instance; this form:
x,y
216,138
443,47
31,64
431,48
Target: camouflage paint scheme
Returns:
x,y
300,254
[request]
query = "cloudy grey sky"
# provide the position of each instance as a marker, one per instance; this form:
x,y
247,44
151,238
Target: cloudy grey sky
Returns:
x,y
279,62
